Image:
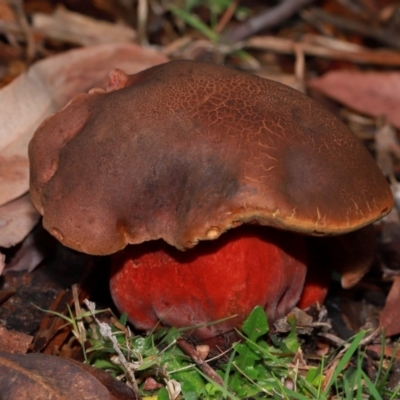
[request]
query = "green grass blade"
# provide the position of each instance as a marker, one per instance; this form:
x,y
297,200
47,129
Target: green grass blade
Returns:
x,y
195,22
371,387
345,359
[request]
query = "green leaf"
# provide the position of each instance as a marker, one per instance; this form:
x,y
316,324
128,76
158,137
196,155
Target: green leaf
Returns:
x,y
123,319
256,324
291,340
191,381
163,394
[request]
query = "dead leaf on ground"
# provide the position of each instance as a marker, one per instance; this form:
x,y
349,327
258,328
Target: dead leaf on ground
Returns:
x,y
386,144
388,351
6,13
35,247
71,27
13,341
46,87
17,219
390,316
118,389
39,376
371,93
2,264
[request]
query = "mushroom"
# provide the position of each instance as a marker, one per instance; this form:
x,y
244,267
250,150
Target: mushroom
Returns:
x,y
185,152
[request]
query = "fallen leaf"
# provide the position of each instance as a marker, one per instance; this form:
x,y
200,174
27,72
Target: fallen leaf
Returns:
x,y
303,322
32,251
71,27
13,341
120,390
371,93
390,315
17,219
388,351
6,13
2,264
46,87
386,144
40,376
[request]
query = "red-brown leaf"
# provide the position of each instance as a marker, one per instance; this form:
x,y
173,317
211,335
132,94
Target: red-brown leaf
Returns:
x,y
371,93
39,376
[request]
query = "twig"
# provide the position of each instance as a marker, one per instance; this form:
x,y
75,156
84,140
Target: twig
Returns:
x,y
226,17
25,27
333,338
142,14
105,331
360,55
316,16
78,312
266,20
188,349
371,337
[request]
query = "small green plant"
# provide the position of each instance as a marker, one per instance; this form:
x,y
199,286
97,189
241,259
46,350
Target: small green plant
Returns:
x,y
259,366
186,13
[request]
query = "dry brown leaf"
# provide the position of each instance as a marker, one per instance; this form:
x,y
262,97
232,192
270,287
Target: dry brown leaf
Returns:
x,y
17,219
388,351
120,390
6,13
2,262
31,253
46,87
371,93
40,376
386,144
14,342
72,27
390,315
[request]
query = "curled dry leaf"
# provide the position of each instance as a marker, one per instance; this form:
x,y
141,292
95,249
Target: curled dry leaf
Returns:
x,y
31,253
390,316
386,144
17,219
371,93
2,264
46,87
39,376
119,389
72,27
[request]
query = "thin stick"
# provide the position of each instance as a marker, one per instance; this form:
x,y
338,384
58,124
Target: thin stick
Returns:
x,y
142,15
226,17
266,20
360,54
25,27
105,331
188,349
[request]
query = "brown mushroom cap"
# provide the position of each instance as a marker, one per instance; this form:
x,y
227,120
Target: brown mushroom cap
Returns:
x,y
188,150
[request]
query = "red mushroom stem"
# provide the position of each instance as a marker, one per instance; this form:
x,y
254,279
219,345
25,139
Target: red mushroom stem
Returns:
x,y
247,266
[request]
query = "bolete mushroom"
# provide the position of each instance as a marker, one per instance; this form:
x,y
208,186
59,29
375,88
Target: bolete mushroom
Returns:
x,y
184,152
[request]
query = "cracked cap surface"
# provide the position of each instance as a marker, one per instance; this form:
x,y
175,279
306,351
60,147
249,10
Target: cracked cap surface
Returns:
x,y
185,151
